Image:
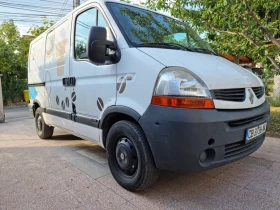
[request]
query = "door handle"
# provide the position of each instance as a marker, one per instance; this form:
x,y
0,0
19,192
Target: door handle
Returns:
x,y
72,81
65,82
69,81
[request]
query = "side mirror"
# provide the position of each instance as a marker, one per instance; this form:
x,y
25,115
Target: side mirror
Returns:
x,y
99,49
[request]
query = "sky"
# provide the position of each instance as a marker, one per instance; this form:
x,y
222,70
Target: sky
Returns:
x,y
27,12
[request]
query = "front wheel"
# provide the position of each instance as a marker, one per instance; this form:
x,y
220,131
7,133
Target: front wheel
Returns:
x,y
129,156
43,130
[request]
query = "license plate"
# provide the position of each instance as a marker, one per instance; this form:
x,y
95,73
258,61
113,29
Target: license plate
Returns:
x,y
254,132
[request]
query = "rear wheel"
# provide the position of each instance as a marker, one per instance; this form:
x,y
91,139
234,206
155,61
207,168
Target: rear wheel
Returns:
x,y
129,156
43,130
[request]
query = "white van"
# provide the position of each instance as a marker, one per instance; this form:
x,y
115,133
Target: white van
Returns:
x,y
145,87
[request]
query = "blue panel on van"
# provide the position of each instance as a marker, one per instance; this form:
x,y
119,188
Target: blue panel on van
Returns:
x,y
32,92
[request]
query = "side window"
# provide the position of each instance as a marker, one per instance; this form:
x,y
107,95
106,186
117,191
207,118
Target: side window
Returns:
x,y
101,22
83,23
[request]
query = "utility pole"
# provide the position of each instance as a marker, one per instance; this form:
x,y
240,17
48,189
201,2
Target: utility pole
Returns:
x,y
76,3
2,115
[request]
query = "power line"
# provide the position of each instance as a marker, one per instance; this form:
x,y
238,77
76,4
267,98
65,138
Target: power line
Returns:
x,y
24,14
45,9
65,2
54,2
29,6
46,2
29,9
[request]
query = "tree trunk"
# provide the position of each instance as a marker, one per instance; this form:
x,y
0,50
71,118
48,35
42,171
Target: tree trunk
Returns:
x,y
276,88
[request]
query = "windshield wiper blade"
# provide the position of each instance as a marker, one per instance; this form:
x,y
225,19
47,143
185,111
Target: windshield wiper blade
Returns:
x,y
204,51
164,44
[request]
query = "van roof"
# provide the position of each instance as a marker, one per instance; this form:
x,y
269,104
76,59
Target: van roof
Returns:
x,y
97,1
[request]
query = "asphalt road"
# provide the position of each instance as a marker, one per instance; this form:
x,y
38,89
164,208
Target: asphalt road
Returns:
x,y
15,114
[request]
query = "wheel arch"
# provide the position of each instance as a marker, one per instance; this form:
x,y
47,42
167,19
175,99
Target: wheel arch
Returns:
x,y
114,114
36,104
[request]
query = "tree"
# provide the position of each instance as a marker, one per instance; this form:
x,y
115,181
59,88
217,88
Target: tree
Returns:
x,y
237,27
13,59
14,51
36,30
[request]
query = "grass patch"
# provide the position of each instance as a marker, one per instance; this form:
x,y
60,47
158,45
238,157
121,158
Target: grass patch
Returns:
x,y
273,103
274,123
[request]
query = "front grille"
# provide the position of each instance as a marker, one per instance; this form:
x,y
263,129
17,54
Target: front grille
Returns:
x,y
245,121
259,91
237,95
236,149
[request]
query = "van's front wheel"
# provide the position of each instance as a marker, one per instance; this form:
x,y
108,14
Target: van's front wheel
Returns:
x,y
43,130
129,156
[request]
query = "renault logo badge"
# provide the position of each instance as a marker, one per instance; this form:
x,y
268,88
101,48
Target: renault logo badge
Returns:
x,y
251,96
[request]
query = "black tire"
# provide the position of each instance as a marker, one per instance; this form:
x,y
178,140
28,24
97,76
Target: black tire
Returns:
x,y
43,130
126,140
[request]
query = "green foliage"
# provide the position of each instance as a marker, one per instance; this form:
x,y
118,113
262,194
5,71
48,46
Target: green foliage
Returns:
x,y
14,51
231,26
13,89
80,50
274,122
36,30
273,102
267,79
13,58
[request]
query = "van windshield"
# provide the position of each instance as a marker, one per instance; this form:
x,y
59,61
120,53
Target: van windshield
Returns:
x,y
143,28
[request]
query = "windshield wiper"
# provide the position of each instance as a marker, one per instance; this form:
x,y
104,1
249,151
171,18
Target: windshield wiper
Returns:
x,y
203,50
163,44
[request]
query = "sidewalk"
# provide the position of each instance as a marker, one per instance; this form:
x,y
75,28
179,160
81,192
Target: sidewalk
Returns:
x,y
70,173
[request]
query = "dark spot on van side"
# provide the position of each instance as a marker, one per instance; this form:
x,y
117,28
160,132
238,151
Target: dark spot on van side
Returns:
x,y
67,102
121,85
73,96
100,104
74,108
63,105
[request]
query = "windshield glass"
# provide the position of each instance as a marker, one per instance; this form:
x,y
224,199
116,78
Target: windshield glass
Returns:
x,y
143,28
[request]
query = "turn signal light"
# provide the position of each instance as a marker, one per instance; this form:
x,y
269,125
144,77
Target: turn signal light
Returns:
x,y
192,103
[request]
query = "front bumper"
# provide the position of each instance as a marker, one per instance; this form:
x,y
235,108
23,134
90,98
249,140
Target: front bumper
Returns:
x,y
177,137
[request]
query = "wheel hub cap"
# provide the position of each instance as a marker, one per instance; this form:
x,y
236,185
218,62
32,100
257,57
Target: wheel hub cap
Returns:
x,y
126,155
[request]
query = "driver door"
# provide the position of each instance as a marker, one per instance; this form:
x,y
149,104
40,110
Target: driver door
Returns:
x,y
95,85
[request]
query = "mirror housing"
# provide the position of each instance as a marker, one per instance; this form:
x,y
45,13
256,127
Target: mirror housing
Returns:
x,y
99,47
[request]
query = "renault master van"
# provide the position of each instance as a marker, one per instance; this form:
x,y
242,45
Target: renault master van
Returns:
x,y
146,88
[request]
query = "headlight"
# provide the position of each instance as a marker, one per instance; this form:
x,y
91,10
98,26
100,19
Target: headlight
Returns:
x,y
179,87
177,81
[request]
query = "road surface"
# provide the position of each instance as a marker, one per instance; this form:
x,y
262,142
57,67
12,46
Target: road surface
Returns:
x,y
15,114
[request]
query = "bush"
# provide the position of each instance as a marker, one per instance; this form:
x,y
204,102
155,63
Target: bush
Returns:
x,y
267,79
274,122
13,89
272,102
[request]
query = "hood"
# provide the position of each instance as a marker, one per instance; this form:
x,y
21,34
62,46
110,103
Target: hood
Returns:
x,y
215,71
